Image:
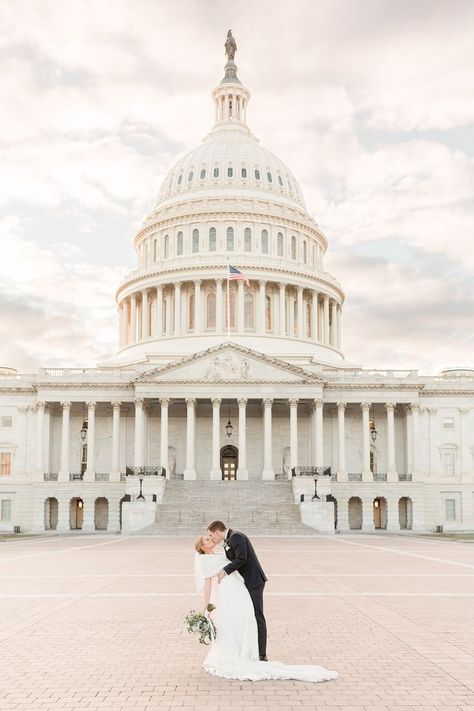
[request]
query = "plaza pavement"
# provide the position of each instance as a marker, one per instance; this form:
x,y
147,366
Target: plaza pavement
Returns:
x,y
96,622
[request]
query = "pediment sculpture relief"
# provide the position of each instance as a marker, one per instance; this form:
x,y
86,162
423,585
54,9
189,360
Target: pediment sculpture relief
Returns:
x,y
227,366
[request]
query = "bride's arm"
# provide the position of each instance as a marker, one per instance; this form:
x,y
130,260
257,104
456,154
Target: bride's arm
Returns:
x,y
207,592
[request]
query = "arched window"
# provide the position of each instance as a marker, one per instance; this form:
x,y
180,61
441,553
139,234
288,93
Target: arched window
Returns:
x,y
280,180
257,174
179,245
230,238
216,172
211,310
293,247
230,107
191,312
268,313
202,174
180,179
280,244
244,172
167,246
155,250
305,252
248,239
264,241
195,241
231,309
190,176
313,258
248,312
269,177
308,319
163,315
230,172
295,318
212,239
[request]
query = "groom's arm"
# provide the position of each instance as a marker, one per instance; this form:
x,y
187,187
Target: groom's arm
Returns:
x,y
239,544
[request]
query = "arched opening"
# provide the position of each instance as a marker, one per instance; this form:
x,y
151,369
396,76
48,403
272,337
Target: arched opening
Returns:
x,y
191,312
229,462
280,244
230,239
167,246
231,309
268,313
212,239
248,239
211,310
124,498
195,244
101,514
180,243
308,320
51,514
293,247
379,507
248,312
355,513
405,513
264,241
330,497
76,514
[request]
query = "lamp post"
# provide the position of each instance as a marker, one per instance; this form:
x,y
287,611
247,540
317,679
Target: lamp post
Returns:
x,y
229,426
140,478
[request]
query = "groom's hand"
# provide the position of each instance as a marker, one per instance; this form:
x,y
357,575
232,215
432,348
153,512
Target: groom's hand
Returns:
x,y
221,576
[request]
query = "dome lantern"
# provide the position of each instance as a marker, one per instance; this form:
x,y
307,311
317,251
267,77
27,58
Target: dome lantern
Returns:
x,y
230,96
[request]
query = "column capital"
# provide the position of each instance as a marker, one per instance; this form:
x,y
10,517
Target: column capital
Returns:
x,y
390,406
268,401
216,401
282,285
262,282
415,407
66,404
341,406
300,289
40,405
465,410
197,282
365,406
190,401
159,287
432,410
219,281
91,405
116,404
139,402
165,401
317,402
242,401
293,401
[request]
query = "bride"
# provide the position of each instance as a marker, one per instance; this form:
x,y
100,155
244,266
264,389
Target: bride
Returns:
x,y
234,652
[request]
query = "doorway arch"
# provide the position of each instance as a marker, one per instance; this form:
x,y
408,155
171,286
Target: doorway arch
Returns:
x,y
101,513
405,512
380,512
355,513
229,462
50,514
76,514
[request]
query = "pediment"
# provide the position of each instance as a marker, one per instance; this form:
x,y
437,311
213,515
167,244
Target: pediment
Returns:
x,y
229,363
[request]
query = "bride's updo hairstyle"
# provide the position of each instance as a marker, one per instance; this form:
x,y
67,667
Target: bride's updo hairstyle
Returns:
x,y
198,545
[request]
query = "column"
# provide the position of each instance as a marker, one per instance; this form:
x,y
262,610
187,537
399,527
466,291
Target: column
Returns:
x,y
90,471
368,514
282,309
190,472
415,410
293,434
139,460
64,468
268,472
88,522
216,472
145,315
332,322
319,439
261,308
164,436
47,437
466,456
392,474
64,515
242,472
240,307
159,311
133,318
124,339
177,309
393,520
339,328
314,315
366,473
291,313
409,443
167,330
219,307
115,471
326,320
341,442
40,437
435,459
197,307
299,299
342,513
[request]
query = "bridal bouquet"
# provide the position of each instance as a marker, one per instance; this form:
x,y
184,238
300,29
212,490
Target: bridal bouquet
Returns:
x,y
197,623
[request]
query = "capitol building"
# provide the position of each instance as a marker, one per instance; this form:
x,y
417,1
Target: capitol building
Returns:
x,y
234,387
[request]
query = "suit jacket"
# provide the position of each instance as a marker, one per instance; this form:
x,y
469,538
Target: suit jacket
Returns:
x,y
240,552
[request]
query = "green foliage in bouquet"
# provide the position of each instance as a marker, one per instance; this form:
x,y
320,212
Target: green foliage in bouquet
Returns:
x,y
197,623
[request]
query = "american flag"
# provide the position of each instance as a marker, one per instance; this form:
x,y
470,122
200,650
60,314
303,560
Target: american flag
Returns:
x,y
236,275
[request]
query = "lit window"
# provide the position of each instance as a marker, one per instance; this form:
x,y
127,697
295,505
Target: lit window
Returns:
x,y
248,311
180,245
450,509
449,463
280,244
195,241
244,172
268,313
264,242
448,423
180,179
293,247
280,180
190,176
216,172
211,310
230,172
212,239
202,174
269,177
257,175
230,238
5,463
248,239
6,421
6,511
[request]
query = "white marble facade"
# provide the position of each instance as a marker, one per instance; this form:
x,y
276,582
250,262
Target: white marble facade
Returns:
x,y
276,371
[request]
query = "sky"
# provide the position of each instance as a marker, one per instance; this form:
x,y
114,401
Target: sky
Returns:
x,y
369,102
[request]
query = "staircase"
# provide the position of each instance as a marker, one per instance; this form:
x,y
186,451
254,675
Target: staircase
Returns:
x,y
254,507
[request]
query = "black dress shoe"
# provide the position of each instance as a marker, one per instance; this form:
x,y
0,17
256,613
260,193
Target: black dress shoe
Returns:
x,y
264,658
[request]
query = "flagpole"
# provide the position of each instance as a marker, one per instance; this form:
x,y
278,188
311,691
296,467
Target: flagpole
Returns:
x,y
228,300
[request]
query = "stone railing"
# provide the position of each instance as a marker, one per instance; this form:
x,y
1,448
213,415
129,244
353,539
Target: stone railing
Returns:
x,y
341,374
311,471
144,471
102,476
50,476
405,477
379,476
76,476
354,476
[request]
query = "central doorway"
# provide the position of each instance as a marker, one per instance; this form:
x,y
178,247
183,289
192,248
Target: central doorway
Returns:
x,y
229,462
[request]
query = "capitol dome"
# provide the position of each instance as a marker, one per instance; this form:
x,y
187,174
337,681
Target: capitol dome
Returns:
x,y
229,201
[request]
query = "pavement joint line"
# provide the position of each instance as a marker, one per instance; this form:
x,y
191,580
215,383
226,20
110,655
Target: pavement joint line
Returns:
x,y
61,550
271,575
343,593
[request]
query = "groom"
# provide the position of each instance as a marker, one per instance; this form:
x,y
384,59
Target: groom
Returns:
x,y
240,552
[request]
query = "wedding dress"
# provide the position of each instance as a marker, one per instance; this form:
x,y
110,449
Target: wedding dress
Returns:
x,y
234,652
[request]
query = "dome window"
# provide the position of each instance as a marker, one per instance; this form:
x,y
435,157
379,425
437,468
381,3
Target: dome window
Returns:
x,y
257,174
264,241
179,246
190,176
280,181
230,239
249,321
216,172
180,179
248,239
167,246
202,174
280,244
195,241
230,172
212,239
305,252
244,172
269,177
293,247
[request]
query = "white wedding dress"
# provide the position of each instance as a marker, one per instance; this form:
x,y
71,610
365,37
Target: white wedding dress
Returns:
x,y
234,652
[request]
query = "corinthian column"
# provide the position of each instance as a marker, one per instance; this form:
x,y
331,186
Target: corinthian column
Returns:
x,y
293,434
219,304
341,440
216,472
197,307
139,453
242,472
177,309
115,471
124,338
90,471
261,307
392,474
415,411
326,320
299,299
282,309
159,311
145,316
319,435
164,436
40,437
314,315
366,473
64,470
190,471
133,318
268,472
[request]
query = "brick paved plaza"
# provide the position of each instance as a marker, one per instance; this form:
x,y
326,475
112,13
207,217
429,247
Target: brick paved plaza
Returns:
x,y
96,622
